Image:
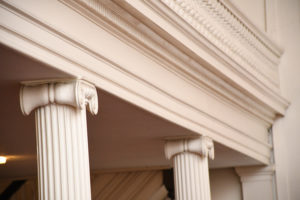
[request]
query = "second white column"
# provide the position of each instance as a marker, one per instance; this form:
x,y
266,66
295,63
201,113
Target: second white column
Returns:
x,y
190,162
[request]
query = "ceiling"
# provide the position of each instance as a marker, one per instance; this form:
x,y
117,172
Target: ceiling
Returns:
x,y
121,136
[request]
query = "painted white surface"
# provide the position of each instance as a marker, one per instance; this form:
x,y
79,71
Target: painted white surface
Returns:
x,y
257,182
61,131
109,148
286,130
290,91
190,163
187,103
225,184
254,10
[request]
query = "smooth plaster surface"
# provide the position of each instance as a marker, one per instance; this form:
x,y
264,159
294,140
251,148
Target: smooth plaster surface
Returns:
x,y
287,130
225,184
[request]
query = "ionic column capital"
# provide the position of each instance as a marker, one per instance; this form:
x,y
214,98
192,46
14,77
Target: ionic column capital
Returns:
x,y
76,93
203,146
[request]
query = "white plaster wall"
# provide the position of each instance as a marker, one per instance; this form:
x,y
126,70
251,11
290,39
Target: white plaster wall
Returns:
x,y
225,184
254,10
286,130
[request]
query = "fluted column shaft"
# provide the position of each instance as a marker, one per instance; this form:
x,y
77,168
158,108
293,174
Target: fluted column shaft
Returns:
x,y
190,162
61,132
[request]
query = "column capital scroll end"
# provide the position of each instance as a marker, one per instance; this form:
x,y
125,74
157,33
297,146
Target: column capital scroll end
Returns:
x,y
203,146
76,93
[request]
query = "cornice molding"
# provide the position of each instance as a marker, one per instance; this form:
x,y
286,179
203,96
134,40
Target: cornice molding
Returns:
x,y
76,93
203,146
259,75
99,13
213,20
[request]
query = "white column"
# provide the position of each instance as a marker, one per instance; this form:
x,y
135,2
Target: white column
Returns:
x,y
257,182
190,162
61,132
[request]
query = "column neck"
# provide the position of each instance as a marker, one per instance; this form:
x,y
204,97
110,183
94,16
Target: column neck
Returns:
x,y
76,93
203,146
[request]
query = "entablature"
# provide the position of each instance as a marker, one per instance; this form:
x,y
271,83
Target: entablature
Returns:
x,y
108,46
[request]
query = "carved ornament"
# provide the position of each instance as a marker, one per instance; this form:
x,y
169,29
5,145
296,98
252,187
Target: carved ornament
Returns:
x,y
76,93
203,146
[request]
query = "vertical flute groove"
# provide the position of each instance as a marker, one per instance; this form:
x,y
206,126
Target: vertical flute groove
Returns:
x,y
86,152
44,154
62,153
206,177
197,179
69,152
193,181
191,177
39,151
75,156
80,154
55,151
182,169
48,145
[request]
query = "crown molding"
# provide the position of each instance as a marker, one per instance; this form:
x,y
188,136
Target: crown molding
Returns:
x,y
180,63
216,47
176,61
215,21
225,15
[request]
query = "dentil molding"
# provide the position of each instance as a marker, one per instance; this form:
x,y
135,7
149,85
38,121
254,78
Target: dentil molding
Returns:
x,y
210,31
215,21
76,93
203,146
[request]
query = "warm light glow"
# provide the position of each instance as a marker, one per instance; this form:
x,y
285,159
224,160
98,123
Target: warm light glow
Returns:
x,y
2,160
